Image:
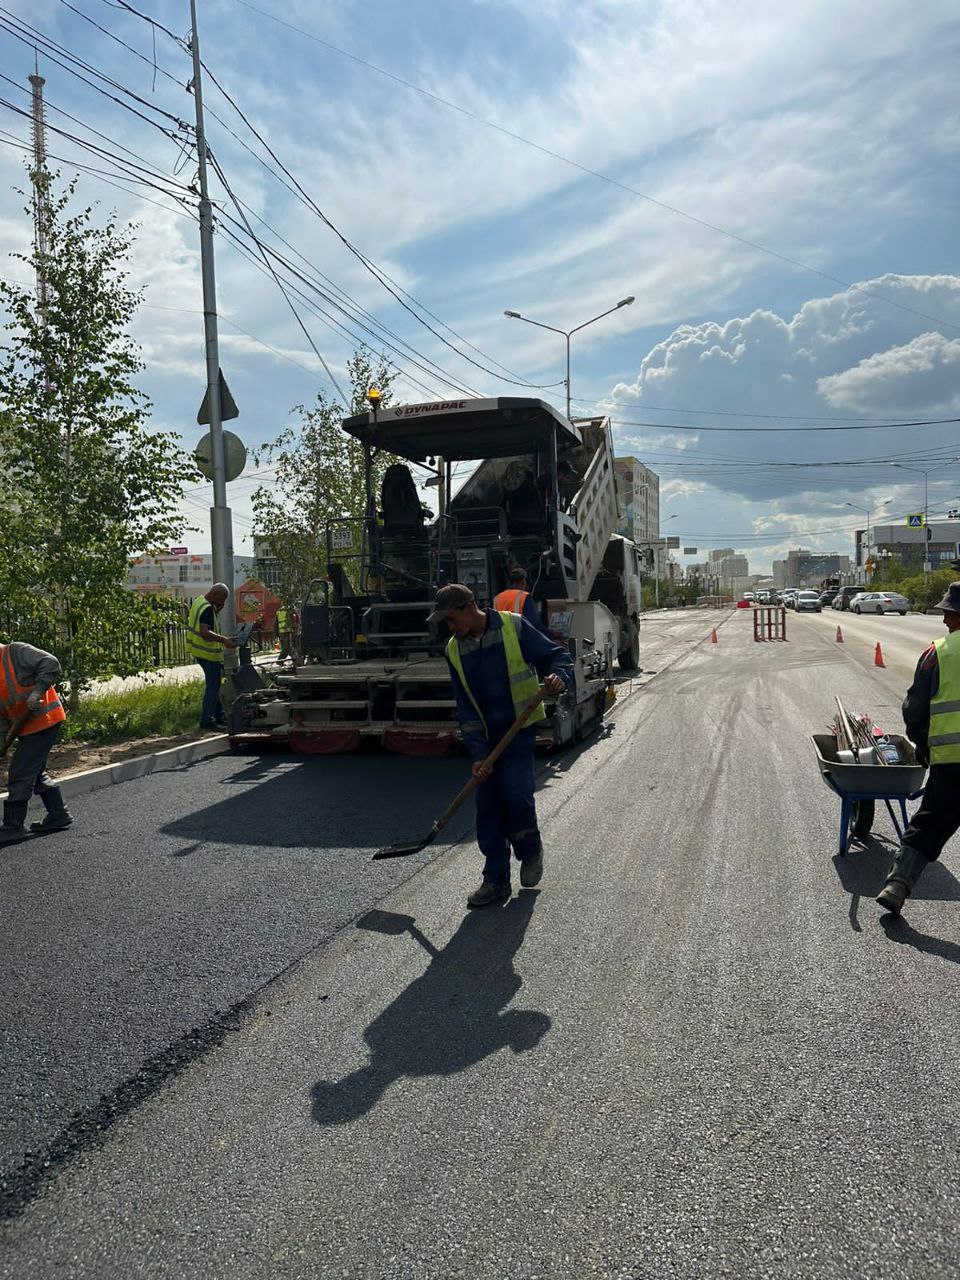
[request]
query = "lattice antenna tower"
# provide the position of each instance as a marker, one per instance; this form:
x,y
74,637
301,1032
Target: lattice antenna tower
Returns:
x,y
38,177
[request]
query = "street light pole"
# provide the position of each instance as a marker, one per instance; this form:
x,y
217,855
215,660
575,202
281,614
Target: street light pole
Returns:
x,y
567,334
221,524
867,511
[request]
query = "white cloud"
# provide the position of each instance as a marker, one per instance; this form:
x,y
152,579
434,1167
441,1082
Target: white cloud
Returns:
x,y
923,374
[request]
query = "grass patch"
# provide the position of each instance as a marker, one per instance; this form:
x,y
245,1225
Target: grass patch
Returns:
x,y
161,709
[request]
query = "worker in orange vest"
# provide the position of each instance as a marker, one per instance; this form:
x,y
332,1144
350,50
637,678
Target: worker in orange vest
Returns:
x,y
27,678
517,599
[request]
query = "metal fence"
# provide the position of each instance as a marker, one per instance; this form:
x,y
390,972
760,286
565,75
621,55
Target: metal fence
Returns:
x,y
140,648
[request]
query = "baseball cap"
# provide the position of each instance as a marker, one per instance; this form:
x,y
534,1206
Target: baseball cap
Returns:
x,y
951,601
453,596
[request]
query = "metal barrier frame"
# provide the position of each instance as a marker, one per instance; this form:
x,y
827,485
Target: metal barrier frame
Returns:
x,y
771,619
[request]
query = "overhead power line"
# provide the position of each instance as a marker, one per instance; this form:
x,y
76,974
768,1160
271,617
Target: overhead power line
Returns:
x,y
862,426
594,173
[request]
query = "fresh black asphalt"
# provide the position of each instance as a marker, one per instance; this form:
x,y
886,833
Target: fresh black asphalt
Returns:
x,y
698,1051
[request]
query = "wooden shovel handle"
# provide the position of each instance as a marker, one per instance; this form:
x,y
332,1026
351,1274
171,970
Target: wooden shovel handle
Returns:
x,y
491,759
14,730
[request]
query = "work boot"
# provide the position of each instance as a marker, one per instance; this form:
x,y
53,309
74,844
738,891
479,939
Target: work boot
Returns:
x,y
531,870
489,893
904,874
58,815
14,816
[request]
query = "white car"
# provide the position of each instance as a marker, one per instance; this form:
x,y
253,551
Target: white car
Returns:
x,y
880,602
808,600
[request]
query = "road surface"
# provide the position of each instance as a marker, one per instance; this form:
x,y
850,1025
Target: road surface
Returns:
x,y
697,1051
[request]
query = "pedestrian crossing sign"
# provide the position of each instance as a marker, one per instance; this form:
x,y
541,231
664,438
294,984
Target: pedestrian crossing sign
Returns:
x,y
915,520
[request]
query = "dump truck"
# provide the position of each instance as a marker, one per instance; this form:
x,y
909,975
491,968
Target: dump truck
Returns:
x,y
541,495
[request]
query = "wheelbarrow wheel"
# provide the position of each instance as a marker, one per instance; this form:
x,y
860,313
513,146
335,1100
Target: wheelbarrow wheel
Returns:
x,y
861,821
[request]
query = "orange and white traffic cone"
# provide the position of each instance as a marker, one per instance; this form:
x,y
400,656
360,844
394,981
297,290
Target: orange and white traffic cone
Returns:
x,y
713,636
839,636
878,656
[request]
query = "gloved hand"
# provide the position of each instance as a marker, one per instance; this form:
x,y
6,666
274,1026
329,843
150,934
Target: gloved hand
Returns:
x,y
34,701
923,756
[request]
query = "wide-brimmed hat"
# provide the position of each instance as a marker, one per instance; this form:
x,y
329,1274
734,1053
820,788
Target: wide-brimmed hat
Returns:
x,y
951,601
453,596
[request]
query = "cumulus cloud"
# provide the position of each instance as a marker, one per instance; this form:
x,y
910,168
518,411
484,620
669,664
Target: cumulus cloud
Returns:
x,y
920,375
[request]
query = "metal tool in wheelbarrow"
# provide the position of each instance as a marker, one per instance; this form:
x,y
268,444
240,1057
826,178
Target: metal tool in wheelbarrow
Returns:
x,y
405,850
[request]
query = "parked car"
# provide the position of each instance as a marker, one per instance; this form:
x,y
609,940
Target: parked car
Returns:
x,y
843,597
880,602
826,597
809,601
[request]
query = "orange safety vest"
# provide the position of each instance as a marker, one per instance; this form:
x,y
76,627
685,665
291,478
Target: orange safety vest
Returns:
x,y
511,601
13,699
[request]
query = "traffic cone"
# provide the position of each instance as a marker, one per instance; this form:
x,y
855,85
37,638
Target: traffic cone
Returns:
x,y
714,640
839,636
878,656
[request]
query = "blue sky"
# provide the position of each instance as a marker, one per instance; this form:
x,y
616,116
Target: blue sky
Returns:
x,y
825,132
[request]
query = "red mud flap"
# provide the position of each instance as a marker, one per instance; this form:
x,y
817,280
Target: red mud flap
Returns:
x,y
405,743
324,744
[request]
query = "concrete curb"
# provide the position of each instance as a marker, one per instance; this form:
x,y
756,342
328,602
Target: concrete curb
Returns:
x,y
108,775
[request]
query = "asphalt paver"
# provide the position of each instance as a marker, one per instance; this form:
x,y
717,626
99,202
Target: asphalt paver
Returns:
x,y
698,1050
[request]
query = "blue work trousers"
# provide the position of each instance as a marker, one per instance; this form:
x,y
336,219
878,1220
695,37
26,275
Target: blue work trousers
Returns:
x,y
212,711
506,812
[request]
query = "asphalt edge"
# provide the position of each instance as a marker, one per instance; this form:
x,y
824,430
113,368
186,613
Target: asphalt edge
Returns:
x,y
109,775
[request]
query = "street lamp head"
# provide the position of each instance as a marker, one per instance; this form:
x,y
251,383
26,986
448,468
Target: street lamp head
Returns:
x,y
513,315
626,302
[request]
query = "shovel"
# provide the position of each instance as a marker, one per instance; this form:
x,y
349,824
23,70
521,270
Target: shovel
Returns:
x,y
12,735
405,850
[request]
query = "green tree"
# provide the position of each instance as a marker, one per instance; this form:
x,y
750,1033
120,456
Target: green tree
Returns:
x,y
319,478
85,484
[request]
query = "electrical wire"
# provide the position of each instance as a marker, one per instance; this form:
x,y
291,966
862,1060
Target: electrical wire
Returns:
x,y
593,173
306,333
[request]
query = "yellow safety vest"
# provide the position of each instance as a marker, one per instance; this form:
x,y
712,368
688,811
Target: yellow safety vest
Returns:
x,y
524,681
282,624
945,707
197,647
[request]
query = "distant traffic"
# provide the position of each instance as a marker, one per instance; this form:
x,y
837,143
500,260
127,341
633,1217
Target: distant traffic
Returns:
x,y
853,599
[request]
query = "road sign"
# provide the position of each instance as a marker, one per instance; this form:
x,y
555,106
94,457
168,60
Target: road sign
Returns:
x,y
234,453
915,520
228,406
689,551
673,544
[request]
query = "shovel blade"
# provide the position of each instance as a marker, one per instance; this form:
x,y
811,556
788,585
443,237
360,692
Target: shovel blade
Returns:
x,y
402,850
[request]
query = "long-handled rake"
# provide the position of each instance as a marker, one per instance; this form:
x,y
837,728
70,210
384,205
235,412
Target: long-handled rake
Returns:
x,y
405,850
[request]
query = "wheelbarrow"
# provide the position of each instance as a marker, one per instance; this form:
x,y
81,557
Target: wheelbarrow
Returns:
x,y
861,786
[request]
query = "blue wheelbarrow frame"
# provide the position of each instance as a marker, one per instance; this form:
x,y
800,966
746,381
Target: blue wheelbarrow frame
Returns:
x,y
891,783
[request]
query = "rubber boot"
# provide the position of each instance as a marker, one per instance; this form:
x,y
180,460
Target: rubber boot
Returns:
x,y
58,816
14,816
904,874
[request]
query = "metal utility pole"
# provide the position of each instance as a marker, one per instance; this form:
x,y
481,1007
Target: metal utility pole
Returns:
x,y
39,193
221,522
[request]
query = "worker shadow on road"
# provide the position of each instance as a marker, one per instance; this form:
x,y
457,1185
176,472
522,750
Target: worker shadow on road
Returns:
x,y
324,802
451,1017
898,930
865,867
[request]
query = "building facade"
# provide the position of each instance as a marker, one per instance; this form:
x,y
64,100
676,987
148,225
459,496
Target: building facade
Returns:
x,y
181,576
638,489
938,544
804,568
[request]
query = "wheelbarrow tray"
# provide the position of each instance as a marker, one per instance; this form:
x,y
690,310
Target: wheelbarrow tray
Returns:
x,y
879,781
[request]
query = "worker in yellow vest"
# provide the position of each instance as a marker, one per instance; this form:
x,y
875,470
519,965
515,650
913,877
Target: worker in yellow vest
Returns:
x,y
931,713
27,694
496,661
517,599
285,633
206,645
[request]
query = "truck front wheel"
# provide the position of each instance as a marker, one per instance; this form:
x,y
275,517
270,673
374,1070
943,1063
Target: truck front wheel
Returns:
x,y
629,659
